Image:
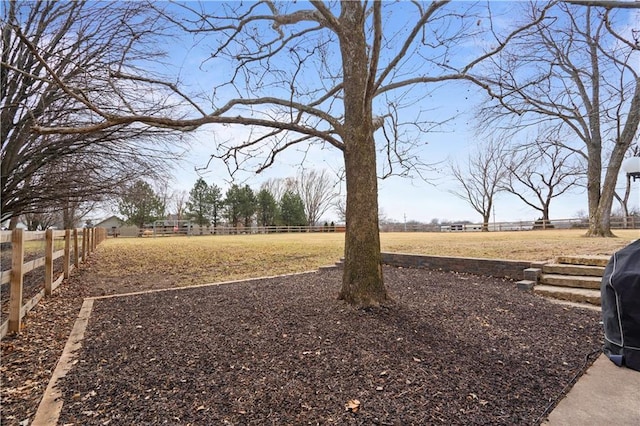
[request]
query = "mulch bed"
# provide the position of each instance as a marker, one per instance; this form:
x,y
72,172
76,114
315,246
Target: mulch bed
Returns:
x,y
29,358
32,281
451,349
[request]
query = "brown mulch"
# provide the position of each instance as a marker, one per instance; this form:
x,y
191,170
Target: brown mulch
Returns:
x,y
32,281
29,358
451,349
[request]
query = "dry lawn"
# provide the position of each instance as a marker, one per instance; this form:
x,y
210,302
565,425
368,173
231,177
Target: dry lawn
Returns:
x,y
197,260
514,245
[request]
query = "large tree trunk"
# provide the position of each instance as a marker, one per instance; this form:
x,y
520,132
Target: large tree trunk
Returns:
x,y
601,197
68,216
594,194
545,215
362,283
13,222
600,225
485,222
599,210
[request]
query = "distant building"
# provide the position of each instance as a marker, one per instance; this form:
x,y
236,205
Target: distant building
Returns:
x,y
112,224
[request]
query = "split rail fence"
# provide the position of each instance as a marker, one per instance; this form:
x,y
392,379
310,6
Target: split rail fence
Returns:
x,y
72,245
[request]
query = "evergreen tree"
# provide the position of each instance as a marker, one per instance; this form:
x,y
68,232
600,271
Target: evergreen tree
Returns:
x,y
292,210
267,208
217,204
139,204
248,204
232,202
200,204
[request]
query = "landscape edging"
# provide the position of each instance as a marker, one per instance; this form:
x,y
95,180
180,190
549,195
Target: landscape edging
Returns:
x,y
499,268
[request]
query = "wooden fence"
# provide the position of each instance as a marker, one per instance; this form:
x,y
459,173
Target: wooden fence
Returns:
x,y
77,245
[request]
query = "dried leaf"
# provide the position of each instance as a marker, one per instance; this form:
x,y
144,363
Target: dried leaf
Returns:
x,y
352,405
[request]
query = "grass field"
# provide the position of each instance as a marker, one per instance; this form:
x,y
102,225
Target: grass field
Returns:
x,y
197,260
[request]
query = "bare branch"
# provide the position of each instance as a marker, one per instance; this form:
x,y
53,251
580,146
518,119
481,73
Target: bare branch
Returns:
x,y
433,7
607,4
375,50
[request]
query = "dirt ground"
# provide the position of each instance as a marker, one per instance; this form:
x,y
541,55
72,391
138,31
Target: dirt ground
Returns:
x,y
451,349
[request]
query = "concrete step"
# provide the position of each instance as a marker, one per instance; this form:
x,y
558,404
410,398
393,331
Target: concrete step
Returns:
x,y
575,304
576,295
584,260
569,269
571,281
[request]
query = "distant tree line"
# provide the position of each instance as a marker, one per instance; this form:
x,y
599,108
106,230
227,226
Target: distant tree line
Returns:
x,y
299,201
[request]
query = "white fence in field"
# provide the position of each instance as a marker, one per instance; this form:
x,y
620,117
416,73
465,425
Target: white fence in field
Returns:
x,y
188,229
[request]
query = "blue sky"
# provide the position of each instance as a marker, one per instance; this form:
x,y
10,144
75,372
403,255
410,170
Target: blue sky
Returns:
x,y
399,198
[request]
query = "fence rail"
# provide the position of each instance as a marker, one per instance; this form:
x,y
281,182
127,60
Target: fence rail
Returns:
x,y
631,222
191,229
77,244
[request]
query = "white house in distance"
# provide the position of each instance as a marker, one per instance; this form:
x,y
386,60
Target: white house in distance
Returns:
x,y
112,224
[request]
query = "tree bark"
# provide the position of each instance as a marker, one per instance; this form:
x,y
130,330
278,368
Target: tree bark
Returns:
x,y
362,283
485,222
13,223
545,216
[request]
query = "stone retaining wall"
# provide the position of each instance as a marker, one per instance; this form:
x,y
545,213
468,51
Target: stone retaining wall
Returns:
x,y
512,269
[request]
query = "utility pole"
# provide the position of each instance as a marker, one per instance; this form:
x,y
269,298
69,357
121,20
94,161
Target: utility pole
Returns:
x,y
494,218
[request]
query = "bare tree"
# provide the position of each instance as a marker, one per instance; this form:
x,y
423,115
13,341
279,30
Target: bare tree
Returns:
x,y
482,177
317,190
40,221
539,172
278,186
162,188
48,47
180,199
577,69
340,206
332,74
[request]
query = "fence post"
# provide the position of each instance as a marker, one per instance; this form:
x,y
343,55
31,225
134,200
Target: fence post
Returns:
x,y
85,242
15,297
76,251
48,262
67,252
